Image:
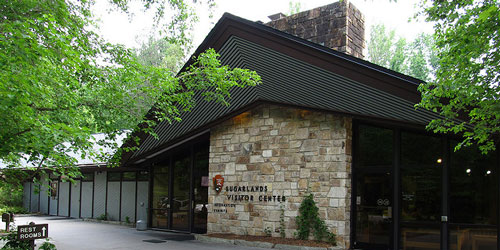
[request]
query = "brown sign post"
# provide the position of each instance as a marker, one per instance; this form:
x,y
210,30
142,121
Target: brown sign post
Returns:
x,y
32,232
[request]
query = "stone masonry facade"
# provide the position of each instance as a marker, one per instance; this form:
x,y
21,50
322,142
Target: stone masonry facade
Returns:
x,y
339,26
290,152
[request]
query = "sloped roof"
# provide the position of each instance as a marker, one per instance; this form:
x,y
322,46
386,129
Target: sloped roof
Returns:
x,y
294,72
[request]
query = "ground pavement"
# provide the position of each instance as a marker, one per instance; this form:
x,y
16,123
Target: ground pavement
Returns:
x,y
75,234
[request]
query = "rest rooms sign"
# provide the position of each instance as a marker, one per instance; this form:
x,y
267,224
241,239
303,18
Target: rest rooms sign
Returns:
x,y
32,232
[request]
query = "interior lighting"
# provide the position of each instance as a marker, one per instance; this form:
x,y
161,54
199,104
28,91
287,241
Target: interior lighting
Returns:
x,y
468,171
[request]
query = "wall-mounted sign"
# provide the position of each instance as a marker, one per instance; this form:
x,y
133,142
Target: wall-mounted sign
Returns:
x,y
204,181
53,189
218,183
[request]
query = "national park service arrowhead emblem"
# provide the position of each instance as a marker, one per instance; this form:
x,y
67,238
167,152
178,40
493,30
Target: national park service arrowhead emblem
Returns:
x,y
218,183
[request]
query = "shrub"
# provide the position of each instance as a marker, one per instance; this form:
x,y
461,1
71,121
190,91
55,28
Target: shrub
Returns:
x,y
308,220
12,243
102,217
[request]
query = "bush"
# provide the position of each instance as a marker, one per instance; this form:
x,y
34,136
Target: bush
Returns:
x,y
14,210
11,199
308,220
12,243
102,217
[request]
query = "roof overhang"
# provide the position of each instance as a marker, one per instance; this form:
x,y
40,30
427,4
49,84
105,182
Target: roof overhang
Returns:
x,y
294,72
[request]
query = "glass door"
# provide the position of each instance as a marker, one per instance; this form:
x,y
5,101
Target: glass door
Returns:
x,y
180,190
421,176
200,190
161,203
373,197
180,196
374,210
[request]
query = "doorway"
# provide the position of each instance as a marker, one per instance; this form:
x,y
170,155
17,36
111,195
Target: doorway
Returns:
x,y
374,210
180,190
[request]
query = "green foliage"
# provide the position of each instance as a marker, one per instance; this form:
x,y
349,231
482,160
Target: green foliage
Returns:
x,y
127,219
466,91
60,83
309,221
268,231
416,58
161,54
282,221
102,217
13,209
12,243
294,7
11,199
47,245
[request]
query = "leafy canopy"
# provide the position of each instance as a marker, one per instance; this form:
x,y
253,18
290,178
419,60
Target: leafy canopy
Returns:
x,y
416,58
467,82
60,83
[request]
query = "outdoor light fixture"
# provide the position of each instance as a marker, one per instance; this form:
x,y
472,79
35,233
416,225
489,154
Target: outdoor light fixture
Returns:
x,y
488,172
468,171
439,160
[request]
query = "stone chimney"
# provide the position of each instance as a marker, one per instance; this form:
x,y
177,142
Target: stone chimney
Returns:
x,y
339,26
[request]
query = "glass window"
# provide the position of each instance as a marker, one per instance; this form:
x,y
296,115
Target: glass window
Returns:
x,y
143,176
161,202
421,161
129,176
114,176
473,189
53,189
181,182
375,146
200,183
87,176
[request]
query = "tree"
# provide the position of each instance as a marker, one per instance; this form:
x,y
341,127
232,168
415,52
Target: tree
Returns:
x,y
294,8
161,54
60,83
416,58
466,89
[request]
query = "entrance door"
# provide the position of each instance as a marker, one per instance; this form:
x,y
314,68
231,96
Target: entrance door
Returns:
x,y
160,202
200,191
181,187
374,210
180,190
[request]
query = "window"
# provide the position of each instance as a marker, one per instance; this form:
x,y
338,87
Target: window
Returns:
x,y
143,176
129,176
114,176
88,176
375,146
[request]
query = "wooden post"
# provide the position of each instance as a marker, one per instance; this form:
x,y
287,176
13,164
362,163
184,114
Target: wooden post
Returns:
x,y
32,242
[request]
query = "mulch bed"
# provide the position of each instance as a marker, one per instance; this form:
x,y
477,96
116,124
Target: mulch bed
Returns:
x,y
274,240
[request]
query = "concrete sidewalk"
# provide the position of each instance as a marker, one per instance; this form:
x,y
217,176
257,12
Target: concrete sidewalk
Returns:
x,y
74,234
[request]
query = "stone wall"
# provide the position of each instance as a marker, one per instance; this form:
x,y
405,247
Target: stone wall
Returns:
x,y
339,26
289,151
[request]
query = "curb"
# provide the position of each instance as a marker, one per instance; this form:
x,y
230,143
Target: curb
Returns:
x,y
109,222
260,244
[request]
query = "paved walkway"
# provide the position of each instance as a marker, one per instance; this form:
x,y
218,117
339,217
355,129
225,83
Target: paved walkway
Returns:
x,y
74,234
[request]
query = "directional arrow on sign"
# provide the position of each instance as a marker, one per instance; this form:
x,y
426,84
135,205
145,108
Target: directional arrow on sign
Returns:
x,y
43,231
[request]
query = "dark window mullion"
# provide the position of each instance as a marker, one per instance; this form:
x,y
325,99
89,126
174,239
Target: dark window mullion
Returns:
x,y
445,212
396,211
498,195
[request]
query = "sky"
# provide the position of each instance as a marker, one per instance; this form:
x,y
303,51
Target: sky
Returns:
x,y
118,27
